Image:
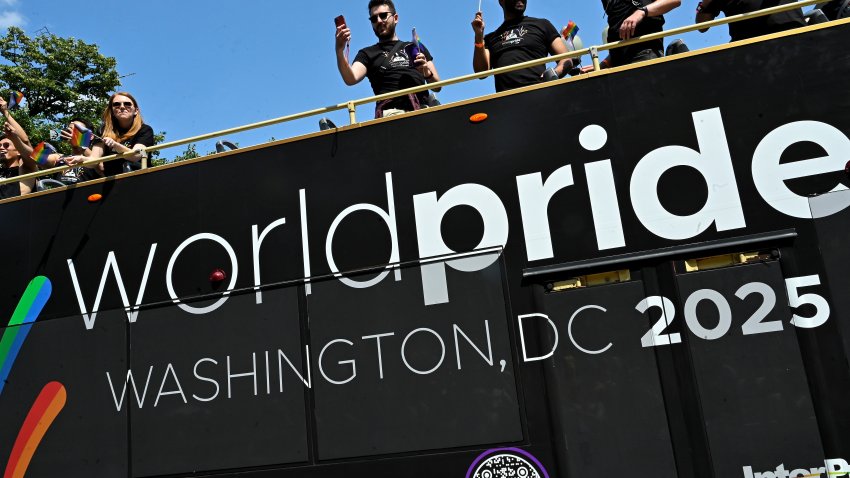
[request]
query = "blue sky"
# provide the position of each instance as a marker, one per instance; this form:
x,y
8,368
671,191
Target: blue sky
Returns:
x,y
201,66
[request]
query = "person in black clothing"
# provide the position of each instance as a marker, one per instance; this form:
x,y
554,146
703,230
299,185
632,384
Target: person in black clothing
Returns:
x,y
710,9
15,152
123,130
518,39
634,18
388,63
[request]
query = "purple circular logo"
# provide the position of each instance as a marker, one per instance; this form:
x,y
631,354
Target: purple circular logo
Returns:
x,y
506,463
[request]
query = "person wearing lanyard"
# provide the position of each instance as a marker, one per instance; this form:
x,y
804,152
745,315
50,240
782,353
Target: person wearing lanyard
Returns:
x,y
389,64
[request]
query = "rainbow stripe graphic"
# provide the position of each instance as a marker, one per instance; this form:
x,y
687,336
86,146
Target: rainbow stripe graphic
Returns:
x,y
81,137
570,31
46,408
15,99
30,305
41,152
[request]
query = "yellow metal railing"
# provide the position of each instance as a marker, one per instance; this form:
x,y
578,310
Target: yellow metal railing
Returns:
x,y
351,105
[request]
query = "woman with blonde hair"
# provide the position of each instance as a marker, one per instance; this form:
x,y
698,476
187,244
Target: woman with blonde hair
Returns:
x,y
123,131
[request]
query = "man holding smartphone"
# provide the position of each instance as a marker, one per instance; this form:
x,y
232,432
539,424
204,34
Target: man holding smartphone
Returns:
x,y
388,63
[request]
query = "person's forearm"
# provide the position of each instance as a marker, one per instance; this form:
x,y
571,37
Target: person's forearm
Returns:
x,y
435,77
480,62
564,65
660,7
345,69
20,131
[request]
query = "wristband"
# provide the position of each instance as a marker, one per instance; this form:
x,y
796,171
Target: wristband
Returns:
x,y
699,7
479,44
645,11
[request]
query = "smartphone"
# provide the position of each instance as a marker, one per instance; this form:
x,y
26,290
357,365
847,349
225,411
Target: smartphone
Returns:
x,y
339,21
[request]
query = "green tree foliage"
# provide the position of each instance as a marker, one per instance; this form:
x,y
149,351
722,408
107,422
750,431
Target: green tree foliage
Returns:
x,y
190,153
61,78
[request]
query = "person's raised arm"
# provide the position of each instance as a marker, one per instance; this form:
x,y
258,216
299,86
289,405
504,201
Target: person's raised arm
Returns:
x,y
353,73
16,135
480,56
4,110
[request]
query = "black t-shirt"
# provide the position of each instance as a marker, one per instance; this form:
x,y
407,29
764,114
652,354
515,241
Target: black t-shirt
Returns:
x,y
517,41
143,136
757,26
12,189
392,74
618,11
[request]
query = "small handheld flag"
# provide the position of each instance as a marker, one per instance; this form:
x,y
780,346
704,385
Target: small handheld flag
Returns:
x,y
418,41
41,152
15,99
81,137
569,33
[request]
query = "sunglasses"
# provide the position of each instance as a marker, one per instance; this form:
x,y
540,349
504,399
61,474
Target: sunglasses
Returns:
x,y
383,16
6,145
125,104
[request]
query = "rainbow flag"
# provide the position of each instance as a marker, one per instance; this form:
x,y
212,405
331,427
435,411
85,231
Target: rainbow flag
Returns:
x,y
81,137
41,152
418,41
15,99
570,31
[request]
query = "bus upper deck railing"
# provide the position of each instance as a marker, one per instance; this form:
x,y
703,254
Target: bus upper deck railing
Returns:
x,y
351,105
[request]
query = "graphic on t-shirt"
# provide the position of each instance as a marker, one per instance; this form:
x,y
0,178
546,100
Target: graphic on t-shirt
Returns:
x,y
513,36
398,60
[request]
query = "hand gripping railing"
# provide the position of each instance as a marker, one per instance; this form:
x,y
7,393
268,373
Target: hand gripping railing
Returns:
x,y
351,106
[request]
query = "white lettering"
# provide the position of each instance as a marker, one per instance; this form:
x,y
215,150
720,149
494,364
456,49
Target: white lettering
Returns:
x,y
168,274
429,213
341,362
111,264
257,242
713,161
487,358
525,356
388,218
179,391
205,379
404,349
770,176
140,401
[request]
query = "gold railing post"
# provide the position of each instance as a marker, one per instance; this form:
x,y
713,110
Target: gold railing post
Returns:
x,y
352,112
594,55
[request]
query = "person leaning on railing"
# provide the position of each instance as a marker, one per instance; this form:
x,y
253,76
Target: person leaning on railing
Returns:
x,y
633,18
518,39
709,9
15,151
123,131
388,63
